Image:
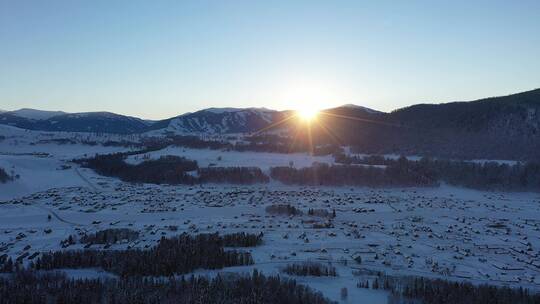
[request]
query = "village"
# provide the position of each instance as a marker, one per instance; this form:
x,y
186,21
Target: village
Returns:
x,y
443,232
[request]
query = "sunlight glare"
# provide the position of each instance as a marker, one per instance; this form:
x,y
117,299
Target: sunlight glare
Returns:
x,y
307,114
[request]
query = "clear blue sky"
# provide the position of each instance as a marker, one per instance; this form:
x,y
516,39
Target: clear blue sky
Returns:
x,y
157,59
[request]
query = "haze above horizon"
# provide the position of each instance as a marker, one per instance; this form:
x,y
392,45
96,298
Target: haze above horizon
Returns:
x,y
158,59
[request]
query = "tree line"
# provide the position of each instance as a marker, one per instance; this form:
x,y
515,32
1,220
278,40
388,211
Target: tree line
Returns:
x,y
438,291
352,170
403,174
110,236
233,175
170,170
166,169
241,239
373,160
33,287
177,255
283,209
310,269
380,171
488,175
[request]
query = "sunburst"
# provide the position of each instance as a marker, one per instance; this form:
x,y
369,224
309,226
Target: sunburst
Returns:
x,y
307,114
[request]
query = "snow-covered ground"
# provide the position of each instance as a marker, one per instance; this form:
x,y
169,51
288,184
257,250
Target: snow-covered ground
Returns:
x,y
441,232
219,158
449,232
41,166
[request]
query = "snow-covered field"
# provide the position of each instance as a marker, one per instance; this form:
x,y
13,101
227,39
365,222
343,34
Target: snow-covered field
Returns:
x,y
41,166
219,158
448,232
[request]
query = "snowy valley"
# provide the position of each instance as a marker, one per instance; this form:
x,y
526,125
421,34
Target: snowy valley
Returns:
x,y
362,233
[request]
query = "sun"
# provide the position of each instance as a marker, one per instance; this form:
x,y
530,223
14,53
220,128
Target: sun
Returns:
x,y
307,114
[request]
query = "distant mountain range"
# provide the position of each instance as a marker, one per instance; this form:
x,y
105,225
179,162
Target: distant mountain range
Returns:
x,y
100,122
502,127
213,120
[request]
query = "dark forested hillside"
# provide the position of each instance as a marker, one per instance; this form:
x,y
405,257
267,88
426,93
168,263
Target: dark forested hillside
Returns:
x,y
506,127
100,122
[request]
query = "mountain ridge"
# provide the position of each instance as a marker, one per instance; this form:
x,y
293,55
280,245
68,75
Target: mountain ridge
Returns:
x,y
503,127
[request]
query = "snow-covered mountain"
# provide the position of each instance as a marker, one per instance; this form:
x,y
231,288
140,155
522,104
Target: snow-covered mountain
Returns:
x,y
211,121
35,114
100,122
220,120
357,107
